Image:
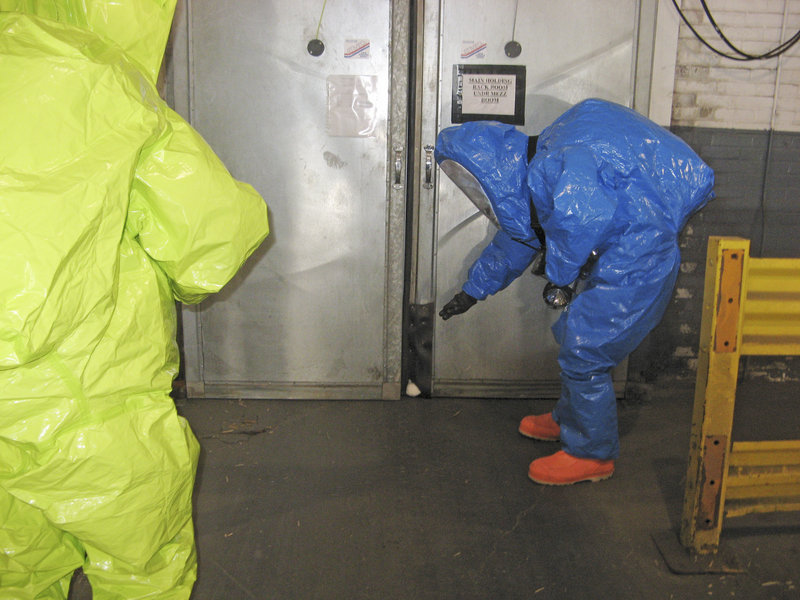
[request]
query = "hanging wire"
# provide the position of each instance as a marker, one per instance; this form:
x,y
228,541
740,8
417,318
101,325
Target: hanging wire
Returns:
x,y
740,55
514,29
513,48
319,25
315,47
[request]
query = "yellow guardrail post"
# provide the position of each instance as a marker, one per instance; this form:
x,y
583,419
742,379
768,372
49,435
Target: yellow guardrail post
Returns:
x,y
751,306
717,371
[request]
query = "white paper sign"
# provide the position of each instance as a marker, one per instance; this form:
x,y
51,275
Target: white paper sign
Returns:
x,y
489,94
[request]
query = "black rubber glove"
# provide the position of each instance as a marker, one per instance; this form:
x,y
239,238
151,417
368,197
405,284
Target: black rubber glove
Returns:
x,y
539,263
460,303
586,269
557,297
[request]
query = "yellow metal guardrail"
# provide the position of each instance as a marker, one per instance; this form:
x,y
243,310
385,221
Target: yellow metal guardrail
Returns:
x,y
751,306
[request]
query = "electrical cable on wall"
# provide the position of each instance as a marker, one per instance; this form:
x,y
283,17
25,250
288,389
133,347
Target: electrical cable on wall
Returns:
x,y
513,48
316,47
740,55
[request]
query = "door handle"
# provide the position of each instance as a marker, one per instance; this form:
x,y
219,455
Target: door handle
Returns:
x,y
398,167
428,184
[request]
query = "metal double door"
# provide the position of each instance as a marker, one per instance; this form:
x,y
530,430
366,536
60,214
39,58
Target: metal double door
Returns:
x,y
330,110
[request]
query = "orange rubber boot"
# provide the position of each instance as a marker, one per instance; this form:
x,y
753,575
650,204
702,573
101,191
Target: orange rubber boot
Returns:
x,y
540,427
564,469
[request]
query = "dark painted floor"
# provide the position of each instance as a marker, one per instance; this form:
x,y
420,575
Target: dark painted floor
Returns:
x,y
429,499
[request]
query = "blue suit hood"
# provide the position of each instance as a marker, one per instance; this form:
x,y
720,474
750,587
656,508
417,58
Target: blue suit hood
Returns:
x,y
496,155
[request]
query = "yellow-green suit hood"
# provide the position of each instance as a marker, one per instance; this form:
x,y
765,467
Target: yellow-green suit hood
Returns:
x,y
139,27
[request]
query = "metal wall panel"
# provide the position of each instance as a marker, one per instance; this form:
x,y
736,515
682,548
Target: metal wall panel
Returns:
x,y
316,311
571,50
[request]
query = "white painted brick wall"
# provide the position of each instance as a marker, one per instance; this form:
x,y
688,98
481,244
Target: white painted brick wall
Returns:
x,y
712,91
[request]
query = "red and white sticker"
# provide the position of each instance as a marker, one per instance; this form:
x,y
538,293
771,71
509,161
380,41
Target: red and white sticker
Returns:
x,y
473,49
356,48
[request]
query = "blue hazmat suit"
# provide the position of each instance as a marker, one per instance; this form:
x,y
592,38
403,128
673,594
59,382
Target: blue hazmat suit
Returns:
x,y
603,179
111,208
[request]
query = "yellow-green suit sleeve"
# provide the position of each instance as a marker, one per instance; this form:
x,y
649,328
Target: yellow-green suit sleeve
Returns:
x,y
190,215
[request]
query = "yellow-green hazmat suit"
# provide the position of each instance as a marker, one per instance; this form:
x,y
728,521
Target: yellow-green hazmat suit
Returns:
x,y
111,208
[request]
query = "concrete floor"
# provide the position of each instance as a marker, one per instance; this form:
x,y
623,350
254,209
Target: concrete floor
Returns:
x,y
429,499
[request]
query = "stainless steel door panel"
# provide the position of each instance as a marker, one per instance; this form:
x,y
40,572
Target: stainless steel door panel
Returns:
x,y
307,314
571,51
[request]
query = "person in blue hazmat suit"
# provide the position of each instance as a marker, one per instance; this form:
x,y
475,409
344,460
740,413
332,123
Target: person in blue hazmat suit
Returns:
x,y
111,208
599,197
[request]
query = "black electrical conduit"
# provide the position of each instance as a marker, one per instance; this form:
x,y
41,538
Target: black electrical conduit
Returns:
x,y
740,55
